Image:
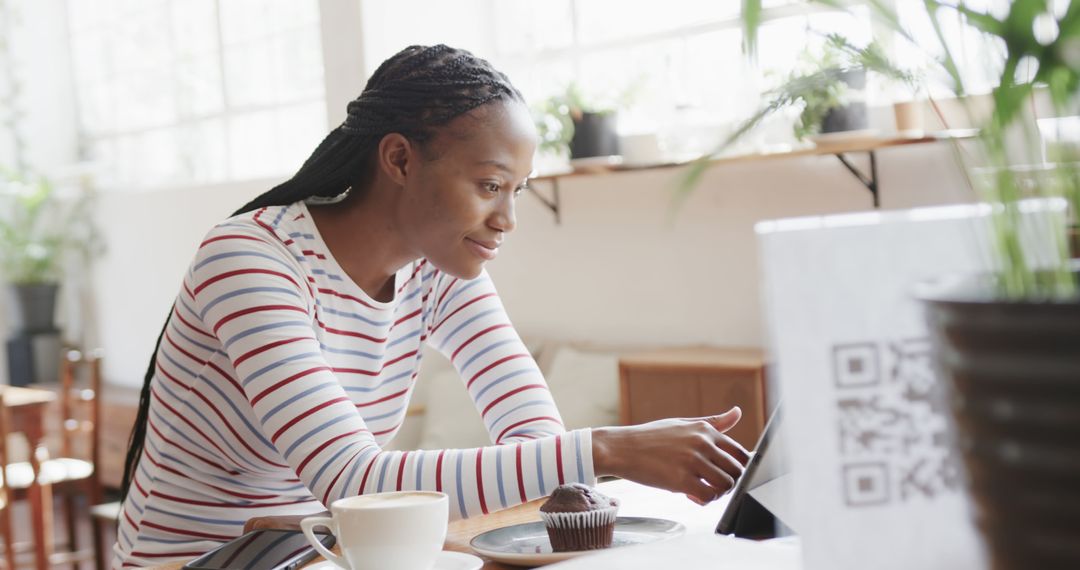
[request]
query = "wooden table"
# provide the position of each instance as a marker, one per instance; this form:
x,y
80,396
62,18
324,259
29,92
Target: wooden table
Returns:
x,y
27,409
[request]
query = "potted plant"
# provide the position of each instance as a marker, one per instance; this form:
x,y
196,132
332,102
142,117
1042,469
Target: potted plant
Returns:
x,y
39,231
1008,344
571,124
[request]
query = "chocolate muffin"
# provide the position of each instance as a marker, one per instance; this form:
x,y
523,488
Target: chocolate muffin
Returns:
x,y
578,517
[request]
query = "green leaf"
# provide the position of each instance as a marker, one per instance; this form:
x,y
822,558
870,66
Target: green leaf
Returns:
x,y
751,21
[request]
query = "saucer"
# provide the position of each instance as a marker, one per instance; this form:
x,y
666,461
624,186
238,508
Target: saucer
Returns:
x,y
527,544
447,560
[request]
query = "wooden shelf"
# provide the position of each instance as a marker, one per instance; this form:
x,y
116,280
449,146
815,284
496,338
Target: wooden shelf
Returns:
x,y
839,147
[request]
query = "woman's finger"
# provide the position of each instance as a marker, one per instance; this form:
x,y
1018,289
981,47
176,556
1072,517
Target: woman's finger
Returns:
x,y
719,479
703,491
732,447
721,460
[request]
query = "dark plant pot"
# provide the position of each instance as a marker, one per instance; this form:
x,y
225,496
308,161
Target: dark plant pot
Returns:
x,y
1013,370
594,135
1074,241
850,117
33,307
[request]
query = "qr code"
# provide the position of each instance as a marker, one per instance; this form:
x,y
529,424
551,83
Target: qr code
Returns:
x,y
893,431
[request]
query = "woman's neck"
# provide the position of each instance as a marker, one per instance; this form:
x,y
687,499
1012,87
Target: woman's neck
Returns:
x,y
361,235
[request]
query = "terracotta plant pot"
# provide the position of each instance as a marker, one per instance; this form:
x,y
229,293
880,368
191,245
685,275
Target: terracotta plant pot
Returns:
x,y
1013,368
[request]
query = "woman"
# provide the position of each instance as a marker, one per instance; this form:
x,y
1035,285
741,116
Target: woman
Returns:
x,y
290,354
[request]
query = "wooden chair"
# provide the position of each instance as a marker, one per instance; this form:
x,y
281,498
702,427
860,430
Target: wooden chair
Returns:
x,y
72,473
6,521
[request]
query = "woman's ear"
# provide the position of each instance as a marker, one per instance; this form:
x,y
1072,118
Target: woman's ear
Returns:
x,y
395,156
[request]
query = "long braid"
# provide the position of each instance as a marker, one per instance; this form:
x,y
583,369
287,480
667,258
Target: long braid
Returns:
x,y
412,93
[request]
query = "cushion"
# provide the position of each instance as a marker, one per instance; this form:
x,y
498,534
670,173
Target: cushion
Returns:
x,y
585,385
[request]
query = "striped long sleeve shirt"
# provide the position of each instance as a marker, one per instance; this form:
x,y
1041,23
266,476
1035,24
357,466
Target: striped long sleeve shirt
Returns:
x,y
279,380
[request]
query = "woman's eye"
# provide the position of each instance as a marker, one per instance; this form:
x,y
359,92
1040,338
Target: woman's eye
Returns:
x,y
492,187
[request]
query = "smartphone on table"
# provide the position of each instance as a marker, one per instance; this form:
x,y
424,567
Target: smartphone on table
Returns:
x,y
264,549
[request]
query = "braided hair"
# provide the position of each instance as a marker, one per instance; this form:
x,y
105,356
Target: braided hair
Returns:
x,y
413,93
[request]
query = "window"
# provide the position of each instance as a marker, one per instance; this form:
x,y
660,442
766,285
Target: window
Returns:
x,y
174,92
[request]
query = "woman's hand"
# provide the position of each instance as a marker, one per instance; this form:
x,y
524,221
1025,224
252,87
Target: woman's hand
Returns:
x,y
691,456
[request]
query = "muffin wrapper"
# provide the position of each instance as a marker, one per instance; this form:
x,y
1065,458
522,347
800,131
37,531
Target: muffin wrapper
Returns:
x,y
587,530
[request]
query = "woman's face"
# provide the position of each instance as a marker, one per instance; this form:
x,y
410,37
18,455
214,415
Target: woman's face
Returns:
x,y
459,196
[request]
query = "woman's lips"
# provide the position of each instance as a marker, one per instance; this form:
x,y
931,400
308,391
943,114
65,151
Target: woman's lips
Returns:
x,y
485,251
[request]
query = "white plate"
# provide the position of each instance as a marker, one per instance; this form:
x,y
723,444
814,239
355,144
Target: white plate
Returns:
x,y
528,545
846,137
447,560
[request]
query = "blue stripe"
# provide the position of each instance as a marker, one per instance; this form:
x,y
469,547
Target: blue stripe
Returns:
x,y
277,364
496,421
166,541
194,518
404,338
577,454
261,328
333,350
478,316
540,467
356,316
295,235
382,472
389,380
243,418
419,470
502,379
280,214
310,434
213,427
246,290
229,254
190,340
186,370
361,460
498,470
486,350
127,540
449,301
326,464
460,494
303,394
414,293
161,419
372,419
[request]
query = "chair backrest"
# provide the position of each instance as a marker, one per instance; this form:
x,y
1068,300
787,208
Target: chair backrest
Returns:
x,y
80,409
6,520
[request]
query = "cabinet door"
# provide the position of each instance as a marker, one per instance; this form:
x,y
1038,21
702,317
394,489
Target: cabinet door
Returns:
x,y
654,395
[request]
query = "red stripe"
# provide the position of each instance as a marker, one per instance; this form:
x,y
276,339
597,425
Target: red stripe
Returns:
x,y
385,431
493,365
227,505
251,271
413,276
348,297
312,252
184,532
353,334
558,458
459,309
292,378
511,393
265,348
158,555
520,477
193,358
229,236
324,445
480,479
258,309
363,482
450,287
239,438
192,426
385,365
154,428
310,411
438,472
176,311
401,469
380,400
130,520
405,318
522,422
344,464
476,336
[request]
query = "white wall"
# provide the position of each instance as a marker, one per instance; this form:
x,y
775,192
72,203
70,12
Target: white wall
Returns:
x,y
614,271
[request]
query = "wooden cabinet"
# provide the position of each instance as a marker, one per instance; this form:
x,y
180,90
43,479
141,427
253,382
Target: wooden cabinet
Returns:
x,y
693,382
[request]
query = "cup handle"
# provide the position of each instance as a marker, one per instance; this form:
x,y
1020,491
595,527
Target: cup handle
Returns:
x,y
308,525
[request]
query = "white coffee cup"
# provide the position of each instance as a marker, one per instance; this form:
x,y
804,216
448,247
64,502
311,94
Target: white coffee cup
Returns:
x,y
403,530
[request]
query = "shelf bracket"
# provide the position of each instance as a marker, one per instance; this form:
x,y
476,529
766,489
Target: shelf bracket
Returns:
x,y
871,182
553,203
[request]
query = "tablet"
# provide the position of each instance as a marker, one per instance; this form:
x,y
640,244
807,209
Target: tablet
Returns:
x,y
745,516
